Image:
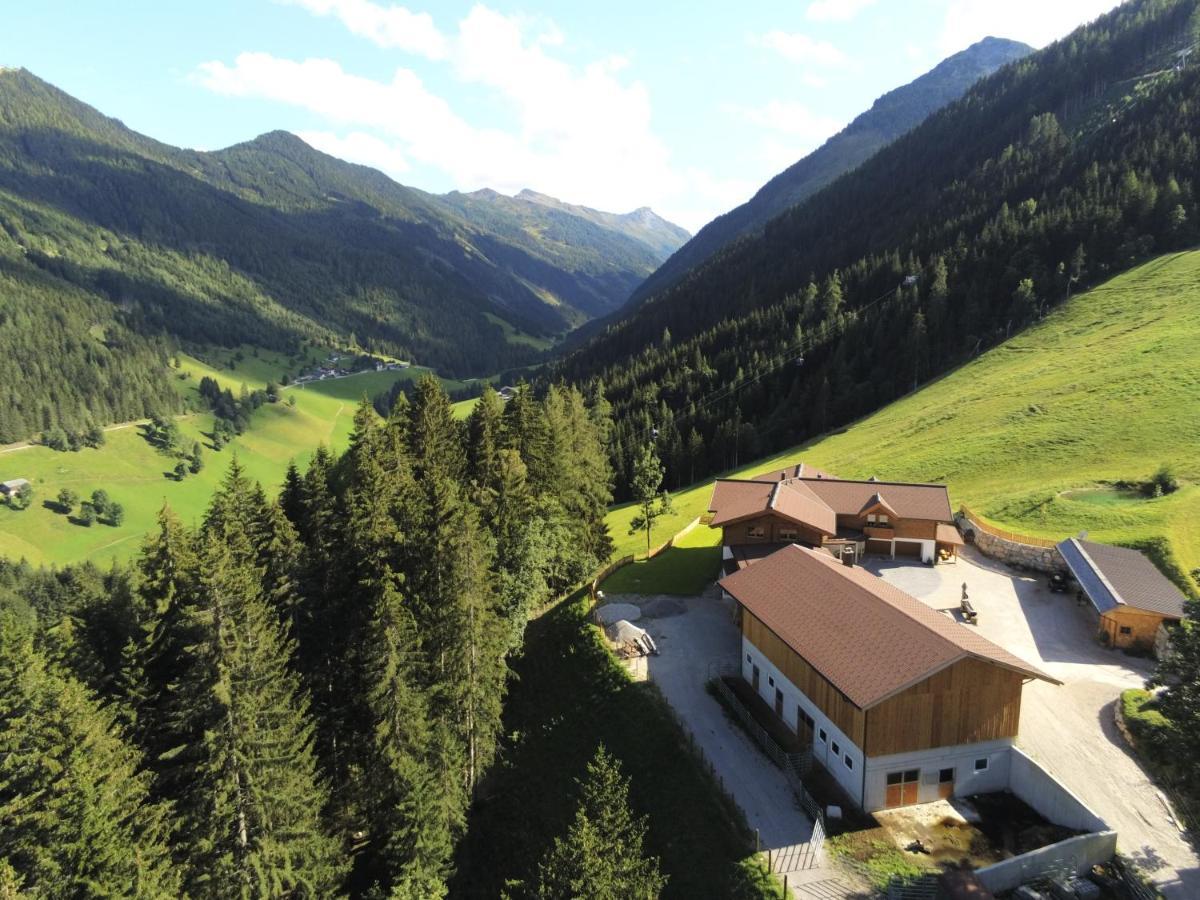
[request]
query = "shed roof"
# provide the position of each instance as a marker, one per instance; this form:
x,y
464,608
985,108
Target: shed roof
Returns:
x,y
1118,576
865,636
13,483
948,534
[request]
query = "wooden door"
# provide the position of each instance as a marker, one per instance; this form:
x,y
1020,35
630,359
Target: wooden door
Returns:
x,y
903,788
946,783
804,727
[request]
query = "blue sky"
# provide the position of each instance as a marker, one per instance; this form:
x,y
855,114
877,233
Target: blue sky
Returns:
x,y
687,107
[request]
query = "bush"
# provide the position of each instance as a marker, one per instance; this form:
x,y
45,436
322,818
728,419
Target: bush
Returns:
x,y
1162,482
1149,727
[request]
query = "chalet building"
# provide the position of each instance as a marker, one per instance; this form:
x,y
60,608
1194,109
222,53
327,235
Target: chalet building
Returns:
x,y
11,487
1132,599
810,507
900,703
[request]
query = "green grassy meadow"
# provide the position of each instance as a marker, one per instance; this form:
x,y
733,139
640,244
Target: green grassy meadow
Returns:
x,y
1036,433
135,474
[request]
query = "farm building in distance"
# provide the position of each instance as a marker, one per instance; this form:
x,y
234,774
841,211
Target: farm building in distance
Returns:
x,y
10,487
1131,597
900,703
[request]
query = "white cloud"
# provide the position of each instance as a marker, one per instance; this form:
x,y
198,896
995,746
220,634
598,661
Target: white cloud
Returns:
x,y
1036,22
836,10
799,48
792,129
387,26
359,147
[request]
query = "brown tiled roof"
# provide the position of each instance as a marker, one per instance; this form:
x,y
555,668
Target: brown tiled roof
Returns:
x,y
798,470
948,534
910,501
1121,576
866,637
876,501
735,500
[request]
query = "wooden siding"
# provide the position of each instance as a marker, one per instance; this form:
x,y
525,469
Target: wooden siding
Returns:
x,y
917,529
1143,626
828,699
968,702
738,533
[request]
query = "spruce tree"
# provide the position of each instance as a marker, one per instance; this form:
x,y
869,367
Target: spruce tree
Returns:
x,y
601,857
241,760
76,817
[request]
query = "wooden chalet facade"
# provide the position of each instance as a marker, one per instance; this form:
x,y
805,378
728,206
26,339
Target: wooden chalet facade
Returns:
x,y
898,702
816,509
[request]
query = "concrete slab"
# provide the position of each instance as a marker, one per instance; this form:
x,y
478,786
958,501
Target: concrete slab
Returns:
x,y
1069,730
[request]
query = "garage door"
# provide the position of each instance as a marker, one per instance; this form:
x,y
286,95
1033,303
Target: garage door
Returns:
x,y
884,547
908,548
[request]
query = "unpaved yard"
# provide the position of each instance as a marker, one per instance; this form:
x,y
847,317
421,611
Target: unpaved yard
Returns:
x,y
1069,729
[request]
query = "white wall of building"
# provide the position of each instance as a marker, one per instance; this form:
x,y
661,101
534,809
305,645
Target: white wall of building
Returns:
x,y
849,776
968,779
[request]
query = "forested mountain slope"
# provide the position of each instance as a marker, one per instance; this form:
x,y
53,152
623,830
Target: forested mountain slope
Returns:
x,y
268,242
893,114
1055,172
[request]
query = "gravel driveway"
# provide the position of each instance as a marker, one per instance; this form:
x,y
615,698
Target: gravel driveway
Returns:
x,y
692,634
1070,729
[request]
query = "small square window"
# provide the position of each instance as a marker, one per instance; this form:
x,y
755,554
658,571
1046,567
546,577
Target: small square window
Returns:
x,y
883,520
945,776
756,531
771,681
787,534
823,736
849,762
1125,629
981,764
835,748
871,517
748,659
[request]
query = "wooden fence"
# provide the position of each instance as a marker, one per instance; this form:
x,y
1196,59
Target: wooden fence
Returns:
x,y
983,525
604,573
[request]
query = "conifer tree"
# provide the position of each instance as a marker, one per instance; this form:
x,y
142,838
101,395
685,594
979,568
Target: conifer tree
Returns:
x,y
435,437
601,857
76,817
240,760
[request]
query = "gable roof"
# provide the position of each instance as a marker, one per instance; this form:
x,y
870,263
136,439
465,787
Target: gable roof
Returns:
x,y
1117,576
876,501
797,470
907,501
734,500
868,638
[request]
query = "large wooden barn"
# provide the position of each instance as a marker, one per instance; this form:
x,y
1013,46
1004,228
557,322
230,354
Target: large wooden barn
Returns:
x,y
1131,597
900,703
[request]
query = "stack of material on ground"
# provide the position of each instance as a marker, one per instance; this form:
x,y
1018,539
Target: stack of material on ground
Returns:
x,y
629,638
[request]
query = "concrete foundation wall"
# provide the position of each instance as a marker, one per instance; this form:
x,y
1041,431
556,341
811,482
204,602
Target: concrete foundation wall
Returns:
x,y
967,779
1040,559
1078,854
1048,796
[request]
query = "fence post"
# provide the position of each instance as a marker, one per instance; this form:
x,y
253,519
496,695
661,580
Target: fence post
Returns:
x,y
757,844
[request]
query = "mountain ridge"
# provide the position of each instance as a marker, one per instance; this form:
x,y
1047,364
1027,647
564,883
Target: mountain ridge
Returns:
x,y
889,116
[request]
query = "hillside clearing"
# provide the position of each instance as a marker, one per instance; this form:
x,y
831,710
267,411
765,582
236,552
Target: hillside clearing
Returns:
x,y
136,475
1100,392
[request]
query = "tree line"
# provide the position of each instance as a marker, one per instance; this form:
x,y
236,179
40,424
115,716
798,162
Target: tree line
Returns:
x,y
299,696
1053,174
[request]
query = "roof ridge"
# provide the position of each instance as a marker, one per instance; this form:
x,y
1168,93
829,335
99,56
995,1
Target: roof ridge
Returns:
x,y
929,484
774,495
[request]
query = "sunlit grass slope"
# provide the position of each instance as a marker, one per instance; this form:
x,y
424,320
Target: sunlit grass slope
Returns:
x,y
1034,434
135,474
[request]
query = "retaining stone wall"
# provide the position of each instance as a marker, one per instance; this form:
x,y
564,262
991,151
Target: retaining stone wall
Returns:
x,y
1023,556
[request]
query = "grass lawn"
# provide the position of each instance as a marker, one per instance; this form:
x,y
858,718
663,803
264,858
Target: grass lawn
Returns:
x,y
567,696
1103,390
514,335
137,476
687,567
